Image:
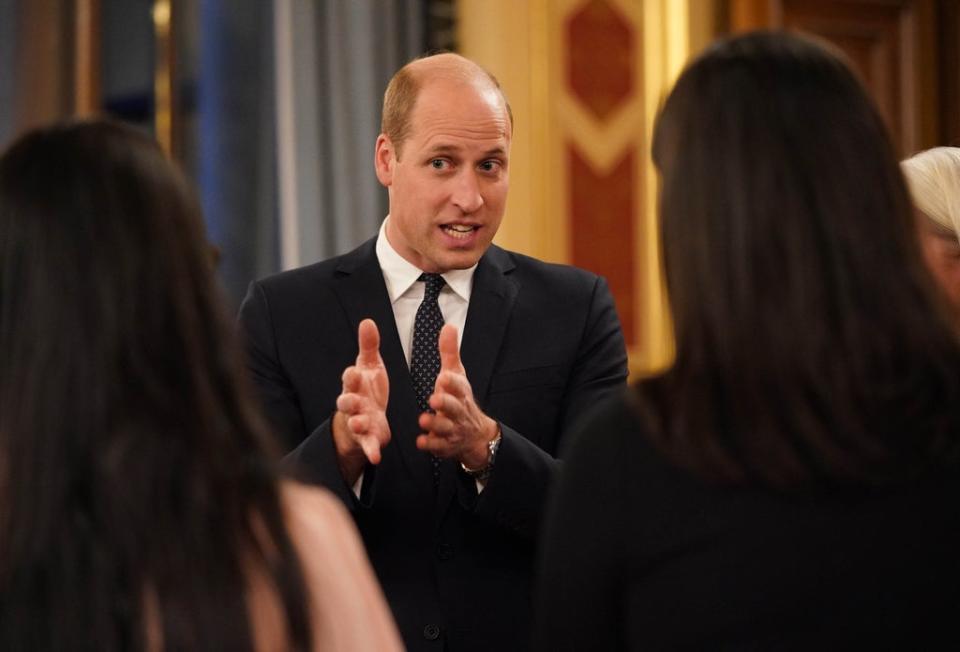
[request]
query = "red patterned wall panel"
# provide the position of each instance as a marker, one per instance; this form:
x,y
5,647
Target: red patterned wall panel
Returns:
x,y
599,57
602,214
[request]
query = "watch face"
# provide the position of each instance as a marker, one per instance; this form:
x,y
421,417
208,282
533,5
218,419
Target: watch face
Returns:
x,y
483,473
493,445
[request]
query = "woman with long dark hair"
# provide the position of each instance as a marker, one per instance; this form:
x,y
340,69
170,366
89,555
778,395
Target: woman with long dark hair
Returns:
x,y
791,482
139,507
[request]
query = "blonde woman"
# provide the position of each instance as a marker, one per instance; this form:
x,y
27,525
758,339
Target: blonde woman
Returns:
x,y
933,177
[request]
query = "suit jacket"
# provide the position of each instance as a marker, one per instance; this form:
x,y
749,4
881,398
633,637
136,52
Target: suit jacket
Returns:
x,y
540,345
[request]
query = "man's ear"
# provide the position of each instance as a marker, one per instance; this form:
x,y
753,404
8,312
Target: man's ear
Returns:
x,y
384,159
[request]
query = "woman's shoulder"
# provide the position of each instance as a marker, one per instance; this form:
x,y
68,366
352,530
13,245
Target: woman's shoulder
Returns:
x,y
348,607
315,516
305,500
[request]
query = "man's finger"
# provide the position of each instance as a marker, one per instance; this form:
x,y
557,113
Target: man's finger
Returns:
x,y
350,403
435,445
453,382
436,426
448,404
449,349
359,424
368,338
352,380
425,421
371,447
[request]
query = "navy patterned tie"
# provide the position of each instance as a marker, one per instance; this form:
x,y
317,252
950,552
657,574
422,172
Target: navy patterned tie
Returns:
x,y
425,359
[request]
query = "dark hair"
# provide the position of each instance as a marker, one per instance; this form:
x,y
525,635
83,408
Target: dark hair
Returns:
x,y
809,345
135,491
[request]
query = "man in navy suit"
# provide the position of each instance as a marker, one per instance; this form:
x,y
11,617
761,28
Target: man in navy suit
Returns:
x,y
447,486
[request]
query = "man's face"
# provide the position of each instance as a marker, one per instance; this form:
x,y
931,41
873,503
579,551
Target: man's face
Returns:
x,y
448,186
941,252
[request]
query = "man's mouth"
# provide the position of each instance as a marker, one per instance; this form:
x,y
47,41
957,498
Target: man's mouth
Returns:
x,y
459,231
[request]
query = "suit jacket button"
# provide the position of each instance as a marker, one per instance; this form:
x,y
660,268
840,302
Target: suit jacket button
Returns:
x,y
444,551
431,632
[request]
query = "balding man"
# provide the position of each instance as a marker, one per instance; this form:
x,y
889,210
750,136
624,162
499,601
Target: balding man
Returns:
x,y
429,377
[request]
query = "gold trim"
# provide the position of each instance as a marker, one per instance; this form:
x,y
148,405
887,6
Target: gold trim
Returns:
x,y
666,46
86,63
540,123
163,74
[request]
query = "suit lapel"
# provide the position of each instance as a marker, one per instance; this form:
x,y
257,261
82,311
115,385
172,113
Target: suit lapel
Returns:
x,y
363,293
491,303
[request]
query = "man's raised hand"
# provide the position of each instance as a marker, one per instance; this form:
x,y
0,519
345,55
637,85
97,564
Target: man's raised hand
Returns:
x,y
459,429
360,425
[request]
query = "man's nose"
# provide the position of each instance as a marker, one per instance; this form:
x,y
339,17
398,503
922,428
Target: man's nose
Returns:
x,y
466,195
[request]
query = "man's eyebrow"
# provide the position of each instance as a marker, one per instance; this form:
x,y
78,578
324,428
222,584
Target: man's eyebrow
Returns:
x,y
452,149
496,151
444,150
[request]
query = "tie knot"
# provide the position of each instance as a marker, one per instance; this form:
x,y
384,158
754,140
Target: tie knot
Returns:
x,y
434,284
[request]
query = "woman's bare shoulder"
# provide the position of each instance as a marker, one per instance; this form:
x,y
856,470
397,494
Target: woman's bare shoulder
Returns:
x,y
307,497
349,610
315,514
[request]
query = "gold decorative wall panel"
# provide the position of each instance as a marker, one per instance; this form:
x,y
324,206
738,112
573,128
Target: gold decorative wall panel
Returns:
x,y
585,78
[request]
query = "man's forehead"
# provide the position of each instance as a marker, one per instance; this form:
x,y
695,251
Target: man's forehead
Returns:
x,y
452,105
462,137
456,91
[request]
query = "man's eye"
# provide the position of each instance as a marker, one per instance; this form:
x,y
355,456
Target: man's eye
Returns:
x,y
438,164
489,166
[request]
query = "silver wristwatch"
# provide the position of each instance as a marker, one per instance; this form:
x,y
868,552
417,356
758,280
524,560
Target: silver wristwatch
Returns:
x,y
483,473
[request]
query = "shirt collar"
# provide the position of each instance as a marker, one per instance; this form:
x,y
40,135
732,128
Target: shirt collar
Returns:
x,y
400,275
